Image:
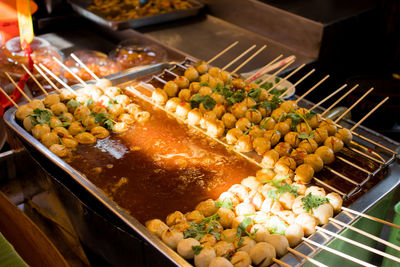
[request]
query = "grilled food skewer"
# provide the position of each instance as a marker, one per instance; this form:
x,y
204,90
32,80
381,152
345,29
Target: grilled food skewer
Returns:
x,y
328,97
297,83
247,60
355,104
33,78
261,71
239,57
70,71
57,79
358,244
222,52
340,99
306,257
85,67
280,262
370,217
8,97
47,78
286,77
276,72
369,113
312,88
18,88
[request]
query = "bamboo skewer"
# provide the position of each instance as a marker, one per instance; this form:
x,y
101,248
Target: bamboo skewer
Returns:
x,y
33,78
8,97
369,113
355,104
306,257
238,57
47,78
260,71
18,88
358,244
286,77
340,99
339,253
297,83
70,71
222,52
85,67
57,78
312,88
355,229
276,72
250,58
370,217
328,97
280,262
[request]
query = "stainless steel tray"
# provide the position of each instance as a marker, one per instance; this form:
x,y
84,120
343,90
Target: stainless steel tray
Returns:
x,y
80,6
362,204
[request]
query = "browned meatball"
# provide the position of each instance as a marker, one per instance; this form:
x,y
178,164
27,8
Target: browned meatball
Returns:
x,y
326,154
283,149
315,161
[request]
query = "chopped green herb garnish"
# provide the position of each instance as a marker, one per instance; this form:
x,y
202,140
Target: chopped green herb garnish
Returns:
x,y
264,122
226,203
203,84
102,118
282,189
277,79
197,249
89,102
207,101
296,119
242,229
311,201
310,114
41,116
73,104
255,93
65,124
267,86
276,225
207,226
277,92
236,97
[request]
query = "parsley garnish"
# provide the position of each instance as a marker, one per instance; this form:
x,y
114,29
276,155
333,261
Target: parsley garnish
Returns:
x,y
277,80
73,104
296,119
197,249
255,93
267,86
41,116
89,102
242,229
264,122
310,114
102,118
311,201
207,226
277,92
282,189
236,97
65,124
275,225
203,84
226,203
207,101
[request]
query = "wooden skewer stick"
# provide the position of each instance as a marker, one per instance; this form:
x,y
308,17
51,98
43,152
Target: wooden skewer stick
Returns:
x,y
250,58
273,75
239,57
57,79
85,67
355,229
297,83
8,97
47,78
358,244
339,253
340,99
306,257
369,113
33,78
286,77
70,71
312,88
18,88
261,71
281,262
370,217
328,97
355,104
222,52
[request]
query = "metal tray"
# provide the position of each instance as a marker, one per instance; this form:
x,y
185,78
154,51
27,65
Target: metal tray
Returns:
x,y
362,204
80,6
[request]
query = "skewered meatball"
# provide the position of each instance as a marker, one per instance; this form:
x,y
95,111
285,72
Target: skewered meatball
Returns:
x,y
28,125
257,199
112,92
127,118
171,88
172,103
292,138
334,143
133,108
288,106
229,235
265,174
287,216
142,116
201,67
69,142
39,130
229,120
307,222
194,87
278,114
215,82
225,76
194,216
298,205
230,197
270,205
85,138
36,103
345,135
309,145
207,207
267,123
283,127
185,249
66,95
244,209
238,83
51,100
219,110
124,100
23,111
294,234
214,71
251,182
226,217
243,124
156,227
322,213
270,158
171,237
60,150
183,109
303,128
279,242
254,116
244,244
273,136
116,110
185,94
283,149
255,131
219,99
316,191
208,240
330,126
223,248
326,154
320,135
191,74
241,259
239,110
89,122
315,161
233,135
260,232
159,96
262,254
335,201
304,173
240,191
244,144
175,218
194,116
204,258
205,90
315,120
284,162
298,155
215,128
261,145
54,121
81,112
61,132
49,139
220,262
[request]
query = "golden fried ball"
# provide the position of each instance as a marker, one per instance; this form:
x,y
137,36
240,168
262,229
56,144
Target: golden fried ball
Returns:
x,y
262,254
23,111
171,237
292,138
336,201
273,136
330,126
39,130
85,138
244,144
304,173
207,207
172,103
232,136
345,135
191,74
60,150
185,249
334,143
307,222
171,88
183,109
294,234
49,139
159,96
283,149
270,158
204,258
315,161
229,120
239,110
194,116
288,106
320,135
326,154
308,145
51,100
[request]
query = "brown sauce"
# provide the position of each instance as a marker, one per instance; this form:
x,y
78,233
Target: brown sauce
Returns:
x,y
160,166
